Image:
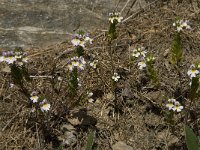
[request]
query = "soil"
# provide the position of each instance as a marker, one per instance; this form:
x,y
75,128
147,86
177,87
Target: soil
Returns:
x,y
133,110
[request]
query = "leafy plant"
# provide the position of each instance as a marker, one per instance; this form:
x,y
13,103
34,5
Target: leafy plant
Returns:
x,y
191,139
177,52
90,141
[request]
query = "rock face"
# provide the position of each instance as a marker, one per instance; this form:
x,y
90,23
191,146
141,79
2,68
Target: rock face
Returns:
x,y
28,23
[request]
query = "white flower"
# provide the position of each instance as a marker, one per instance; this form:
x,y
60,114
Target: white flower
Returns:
x,y
181,24
10,60
174,105
90,94
179,28
75,63
34,99
143,53
90,100
82,43
115,16
192,73
119,19
172,100
70,67
177,108
88,39
135,53
94,64
75,42
170,106
81,66
142,65
115,77
45,107
25,59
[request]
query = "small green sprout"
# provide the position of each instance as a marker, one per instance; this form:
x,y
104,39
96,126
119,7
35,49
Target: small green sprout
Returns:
x,y
150,60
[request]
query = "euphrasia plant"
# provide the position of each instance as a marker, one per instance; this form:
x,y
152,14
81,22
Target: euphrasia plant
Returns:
x,y
114,19
176,49
17,60
193,73
77,63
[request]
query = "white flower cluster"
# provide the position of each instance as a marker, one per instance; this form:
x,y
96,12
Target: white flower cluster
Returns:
x,y
11,57
115,77
44,106
89,95
76,62
174,105
115,16
140,52
81,40
180,24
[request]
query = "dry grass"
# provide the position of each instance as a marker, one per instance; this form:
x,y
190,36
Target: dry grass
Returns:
x,y
134,112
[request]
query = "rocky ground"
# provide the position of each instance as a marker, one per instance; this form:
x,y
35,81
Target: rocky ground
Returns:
x,y
130,116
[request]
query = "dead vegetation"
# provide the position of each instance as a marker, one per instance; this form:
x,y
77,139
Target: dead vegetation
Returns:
x,y
134,112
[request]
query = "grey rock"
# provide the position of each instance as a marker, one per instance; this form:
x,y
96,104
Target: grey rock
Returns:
x,y
121,146
29,23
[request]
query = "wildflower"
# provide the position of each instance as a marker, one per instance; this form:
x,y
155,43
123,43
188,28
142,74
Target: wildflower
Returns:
x,y
135,53
143,53
75,42
115,77
115,16
193,72
25,59
151,59
174,105
10,59
44,106
170,106
181,24
177,107
142,65
76,62
94,64
171,101
11,85
88,39
90,99
90,94
81,40
34,99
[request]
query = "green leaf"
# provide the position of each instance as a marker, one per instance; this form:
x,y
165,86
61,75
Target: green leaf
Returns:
x,y
90,141
191,139
194,88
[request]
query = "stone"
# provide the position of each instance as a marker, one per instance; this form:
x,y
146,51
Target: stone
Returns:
x,y
120,145
30,23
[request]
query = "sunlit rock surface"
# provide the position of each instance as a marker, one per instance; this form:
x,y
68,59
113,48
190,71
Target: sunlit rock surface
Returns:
x,y
29,23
